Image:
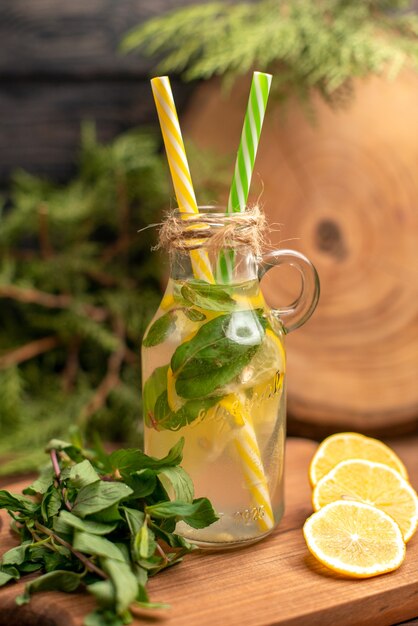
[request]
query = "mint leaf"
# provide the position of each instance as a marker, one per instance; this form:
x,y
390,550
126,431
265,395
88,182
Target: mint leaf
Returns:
x,y
88,526
142,483
99,496
83,474
134,518
8,574
167,419
133,460
53,561
124,583
15,556
104,592
109,515
16,503
197,514
180,482
153,387
217,353
75,453
80,531
51,503
41,484
61,527
102,617
60,580
170,538
144,543
99,546
194,315
207,296
160,329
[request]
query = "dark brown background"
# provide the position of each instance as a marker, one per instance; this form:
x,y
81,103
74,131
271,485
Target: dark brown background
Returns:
x,y
60,65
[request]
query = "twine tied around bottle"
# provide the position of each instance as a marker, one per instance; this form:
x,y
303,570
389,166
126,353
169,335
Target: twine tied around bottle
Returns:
x,y
215,231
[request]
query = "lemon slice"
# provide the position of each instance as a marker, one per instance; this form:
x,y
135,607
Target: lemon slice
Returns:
x,y
167,302
256,301
355,539
371,483
344,446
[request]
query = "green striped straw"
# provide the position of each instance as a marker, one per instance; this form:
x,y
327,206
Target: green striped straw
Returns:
x,y
244,165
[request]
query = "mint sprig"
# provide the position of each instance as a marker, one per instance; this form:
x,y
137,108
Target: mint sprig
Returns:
x,y
104,523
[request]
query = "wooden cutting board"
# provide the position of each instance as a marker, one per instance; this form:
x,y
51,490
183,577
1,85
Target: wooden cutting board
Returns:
x,y
343,190
275,582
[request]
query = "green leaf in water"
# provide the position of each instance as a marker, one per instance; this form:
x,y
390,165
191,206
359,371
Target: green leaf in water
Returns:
x,y
167,419
207,296
217,353
160,329
153,388
194,315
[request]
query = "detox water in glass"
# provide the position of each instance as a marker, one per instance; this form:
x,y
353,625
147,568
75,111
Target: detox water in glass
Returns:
x,y
214,372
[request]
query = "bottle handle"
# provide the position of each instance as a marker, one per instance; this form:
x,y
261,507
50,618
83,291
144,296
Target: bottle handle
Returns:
x,y
298,312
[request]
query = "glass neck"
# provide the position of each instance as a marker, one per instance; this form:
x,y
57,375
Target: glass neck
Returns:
x,y
229,266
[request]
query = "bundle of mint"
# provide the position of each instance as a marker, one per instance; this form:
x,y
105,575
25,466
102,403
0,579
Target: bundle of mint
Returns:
x,y
104,523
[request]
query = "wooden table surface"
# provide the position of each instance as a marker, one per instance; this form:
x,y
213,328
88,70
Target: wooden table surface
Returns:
x,y
275,582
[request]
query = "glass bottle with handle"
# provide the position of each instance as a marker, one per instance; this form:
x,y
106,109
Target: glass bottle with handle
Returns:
x,y
214,373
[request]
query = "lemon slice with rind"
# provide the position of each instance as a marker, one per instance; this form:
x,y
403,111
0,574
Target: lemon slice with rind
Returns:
x,y
347,445
355,539
371,483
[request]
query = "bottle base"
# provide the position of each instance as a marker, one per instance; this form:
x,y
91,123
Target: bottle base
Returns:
x,y
226,543
227,533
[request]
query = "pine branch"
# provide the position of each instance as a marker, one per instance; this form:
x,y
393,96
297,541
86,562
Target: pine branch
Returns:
x,y
28,351
111,379
308,45
44,240
71,366
52,301
72,269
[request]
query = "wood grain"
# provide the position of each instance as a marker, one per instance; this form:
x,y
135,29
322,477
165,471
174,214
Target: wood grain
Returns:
x,y
344,191
275,582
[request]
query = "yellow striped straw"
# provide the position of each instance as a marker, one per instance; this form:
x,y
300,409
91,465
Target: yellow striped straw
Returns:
x,y
248,450
246,442
179,167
